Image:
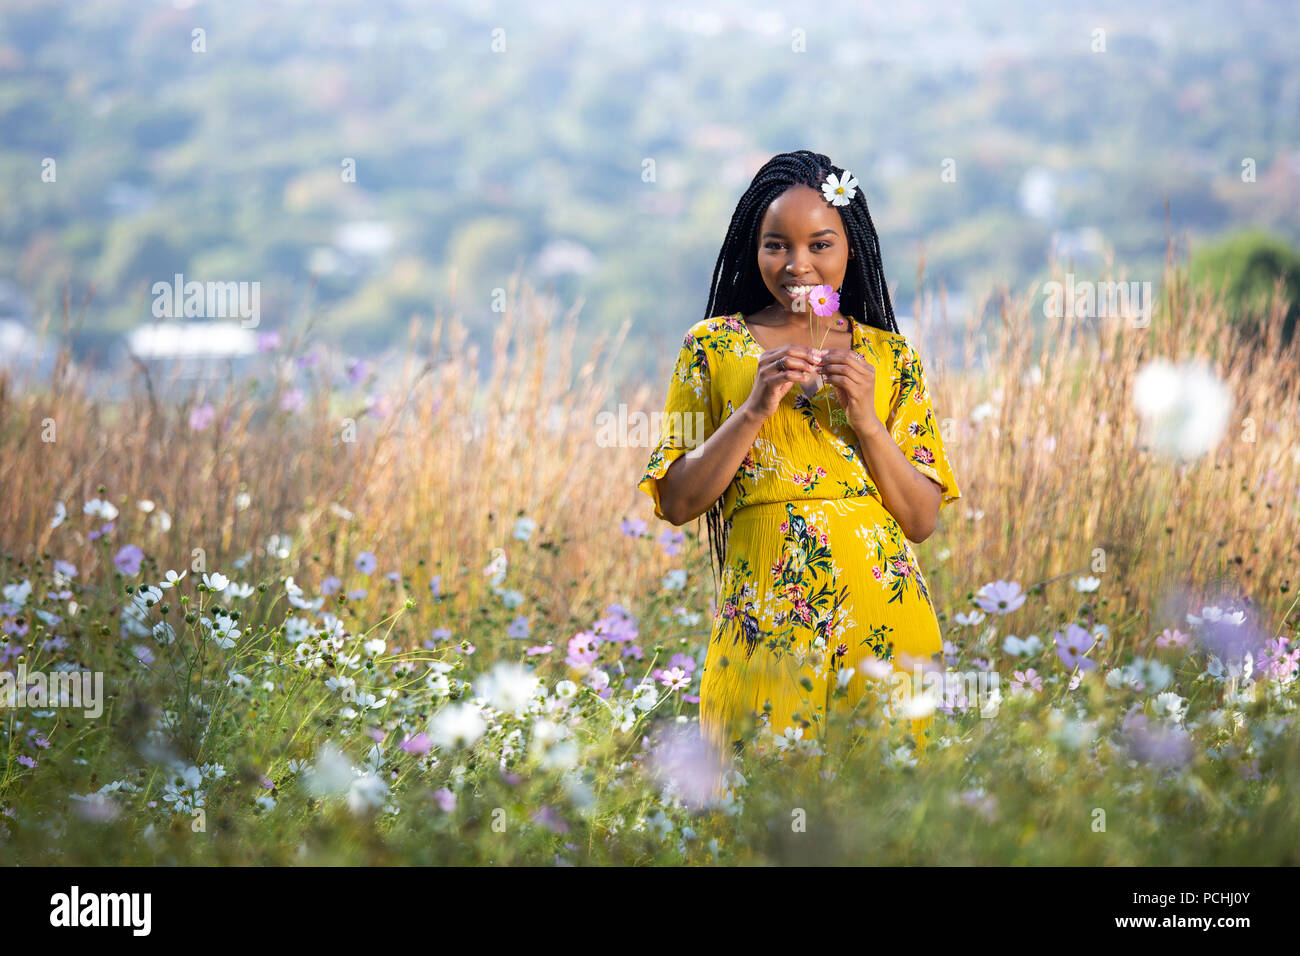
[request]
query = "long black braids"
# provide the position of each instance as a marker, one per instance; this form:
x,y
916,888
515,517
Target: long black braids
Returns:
x,y
738,285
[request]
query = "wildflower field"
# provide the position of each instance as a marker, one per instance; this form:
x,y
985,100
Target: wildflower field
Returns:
x,y
401,615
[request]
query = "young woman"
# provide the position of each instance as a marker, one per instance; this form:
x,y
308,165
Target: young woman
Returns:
x,y
811,443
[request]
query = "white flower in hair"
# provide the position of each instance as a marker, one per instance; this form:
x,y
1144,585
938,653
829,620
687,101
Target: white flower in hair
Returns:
x,y
839,192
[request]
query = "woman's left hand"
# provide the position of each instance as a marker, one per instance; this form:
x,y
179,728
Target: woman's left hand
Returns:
x,y
854,381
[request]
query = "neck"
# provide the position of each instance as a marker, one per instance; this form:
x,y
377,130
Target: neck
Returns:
x,y
778,315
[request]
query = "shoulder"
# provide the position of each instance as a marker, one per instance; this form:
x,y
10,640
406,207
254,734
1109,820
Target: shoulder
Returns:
x,y
895,345
715,331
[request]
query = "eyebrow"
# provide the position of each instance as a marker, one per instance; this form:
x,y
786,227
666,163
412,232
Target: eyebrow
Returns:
x,y
820,232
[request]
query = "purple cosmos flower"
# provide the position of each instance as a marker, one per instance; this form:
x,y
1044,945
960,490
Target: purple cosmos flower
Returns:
x,y
446,799
1278,661
330,585
1158,745
1172,638
268,341
357,594
582,649
1028,678
66,569
293,401
685,661
681,760
435,586
634,527
1000,597
1071,647
419,744
358,370
366,562
670,542
202,417
519,628
26,761
539,649
128,559
549,818
1229,637
393,576
617,626
439,635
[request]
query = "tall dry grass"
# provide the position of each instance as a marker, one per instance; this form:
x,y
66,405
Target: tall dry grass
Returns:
x,y
1054,480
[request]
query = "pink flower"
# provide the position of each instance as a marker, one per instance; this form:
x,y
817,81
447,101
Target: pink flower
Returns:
x,y
418,744
824,300
1174,638
1027,678
293,401
202,417
582,649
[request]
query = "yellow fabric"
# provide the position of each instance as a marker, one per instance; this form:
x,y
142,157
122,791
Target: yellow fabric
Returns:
x,y
818,572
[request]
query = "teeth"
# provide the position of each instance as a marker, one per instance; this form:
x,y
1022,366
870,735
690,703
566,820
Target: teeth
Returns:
x,y
799,289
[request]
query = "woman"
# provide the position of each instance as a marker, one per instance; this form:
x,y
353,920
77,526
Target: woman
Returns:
x,y
810,441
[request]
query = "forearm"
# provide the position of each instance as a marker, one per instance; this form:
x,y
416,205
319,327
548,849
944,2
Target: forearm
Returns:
x,y
700,477
911,497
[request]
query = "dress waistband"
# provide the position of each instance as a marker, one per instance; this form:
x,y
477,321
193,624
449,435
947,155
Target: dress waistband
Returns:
x,y
767,510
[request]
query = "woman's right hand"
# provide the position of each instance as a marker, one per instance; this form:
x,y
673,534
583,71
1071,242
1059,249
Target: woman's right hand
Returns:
x,y
778,371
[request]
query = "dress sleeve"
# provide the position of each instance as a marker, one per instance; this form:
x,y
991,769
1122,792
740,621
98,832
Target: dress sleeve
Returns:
x,y
688,415
912,427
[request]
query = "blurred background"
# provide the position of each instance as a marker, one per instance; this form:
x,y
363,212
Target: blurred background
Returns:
x,y
367,164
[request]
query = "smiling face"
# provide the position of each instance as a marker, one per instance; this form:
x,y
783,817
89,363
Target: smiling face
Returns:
x,y
801,243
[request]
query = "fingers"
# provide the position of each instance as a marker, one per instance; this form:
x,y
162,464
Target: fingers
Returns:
x,y
845,368
797,351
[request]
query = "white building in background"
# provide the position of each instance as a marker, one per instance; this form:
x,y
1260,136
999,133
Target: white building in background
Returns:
x,y
193,349
21,351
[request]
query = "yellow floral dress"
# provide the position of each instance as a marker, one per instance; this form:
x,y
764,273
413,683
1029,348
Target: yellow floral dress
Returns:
x,y
818,574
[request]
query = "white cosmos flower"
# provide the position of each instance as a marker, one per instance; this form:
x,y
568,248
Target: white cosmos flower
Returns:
x,y
101,509
1184,407
60,514
674,580
171,579
216,581
1171,705
332,772
510,687
367,792
839,190
457,725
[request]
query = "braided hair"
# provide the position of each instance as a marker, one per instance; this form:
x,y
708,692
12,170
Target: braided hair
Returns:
x,y
738,285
